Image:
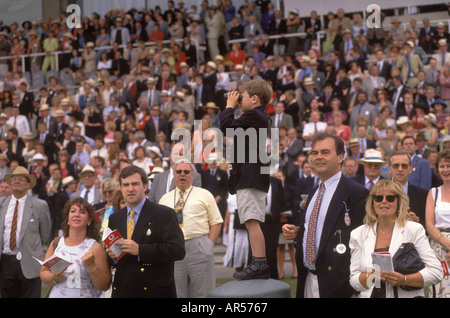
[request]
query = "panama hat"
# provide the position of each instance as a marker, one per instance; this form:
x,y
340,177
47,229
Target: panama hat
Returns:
x,y
154,172
88,168
67,180
372,156
21,171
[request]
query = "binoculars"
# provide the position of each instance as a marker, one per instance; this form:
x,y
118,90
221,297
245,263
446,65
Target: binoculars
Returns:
x,y
239,99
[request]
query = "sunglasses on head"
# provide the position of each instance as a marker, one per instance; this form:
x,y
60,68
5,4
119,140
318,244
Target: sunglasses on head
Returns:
x,y
184,171
389,198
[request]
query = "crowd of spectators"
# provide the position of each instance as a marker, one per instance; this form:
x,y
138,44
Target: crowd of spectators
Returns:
x,y
115,98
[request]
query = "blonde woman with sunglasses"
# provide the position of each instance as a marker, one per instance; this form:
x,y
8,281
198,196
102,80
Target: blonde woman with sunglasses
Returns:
x,y
386,227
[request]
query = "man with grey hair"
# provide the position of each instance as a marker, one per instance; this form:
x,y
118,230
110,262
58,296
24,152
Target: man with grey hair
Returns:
x,y
200,220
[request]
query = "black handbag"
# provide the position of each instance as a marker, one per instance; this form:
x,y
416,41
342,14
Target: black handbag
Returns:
x,y
237,225
407,261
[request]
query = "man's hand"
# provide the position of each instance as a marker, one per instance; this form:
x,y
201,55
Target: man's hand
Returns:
x,y
129,246
290,231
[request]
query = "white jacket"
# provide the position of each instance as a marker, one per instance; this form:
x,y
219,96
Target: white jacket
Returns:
x,y
362,244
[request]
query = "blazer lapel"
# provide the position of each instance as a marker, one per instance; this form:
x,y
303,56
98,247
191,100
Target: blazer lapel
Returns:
x,y
142,223
334,211
26,217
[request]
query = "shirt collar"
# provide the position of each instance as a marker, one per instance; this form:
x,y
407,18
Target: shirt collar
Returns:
x,y
332,179
138,208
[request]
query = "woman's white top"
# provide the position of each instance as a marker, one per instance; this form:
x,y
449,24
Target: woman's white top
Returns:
x,y
78,283
441,211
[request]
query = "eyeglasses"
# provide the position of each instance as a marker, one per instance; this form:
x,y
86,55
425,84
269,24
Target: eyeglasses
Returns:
x,y
398,165
389,198
182,171
20,179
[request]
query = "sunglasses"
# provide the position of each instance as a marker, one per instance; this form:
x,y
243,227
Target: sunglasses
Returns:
x,y
398,165
183,171
389,198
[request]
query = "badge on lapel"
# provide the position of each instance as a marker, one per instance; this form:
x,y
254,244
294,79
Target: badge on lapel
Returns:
x,y
149,232
347,219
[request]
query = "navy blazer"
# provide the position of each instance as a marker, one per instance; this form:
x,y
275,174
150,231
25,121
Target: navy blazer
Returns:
x,y
249,173
421,173
161,243
333,269
418,201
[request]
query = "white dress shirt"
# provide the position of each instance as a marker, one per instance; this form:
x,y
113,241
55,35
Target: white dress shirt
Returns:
x,y
8,223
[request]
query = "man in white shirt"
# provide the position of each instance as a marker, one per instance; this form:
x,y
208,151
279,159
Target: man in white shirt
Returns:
x,y
20,122
313,127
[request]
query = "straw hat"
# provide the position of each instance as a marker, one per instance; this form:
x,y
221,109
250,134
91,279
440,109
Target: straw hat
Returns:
x,y
308,81
154,149
38,156
44,107
211,64
353,142
67,180
4,157
211,105
402,120
28,135
154,172
21,171
373,156
88,168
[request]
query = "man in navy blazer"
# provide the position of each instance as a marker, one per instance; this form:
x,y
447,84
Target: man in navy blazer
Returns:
x,y
421,174
146,270
400,169
342,209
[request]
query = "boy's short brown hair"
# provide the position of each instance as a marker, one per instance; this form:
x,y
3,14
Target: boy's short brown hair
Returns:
x,y
260,88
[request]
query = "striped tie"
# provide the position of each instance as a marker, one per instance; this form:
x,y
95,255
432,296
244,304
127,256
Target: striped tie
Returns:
x,y
311,236
12,239
130,225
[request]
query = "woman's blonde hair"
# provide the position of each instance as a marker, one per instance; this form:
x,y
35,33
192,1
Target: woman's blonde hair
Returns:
x,y
402,201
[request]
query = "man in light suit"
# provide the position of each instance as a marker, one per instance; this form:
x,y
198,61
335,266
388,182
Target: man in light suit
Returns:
x,y
153,94
19,272
89,191
280,118
120,34
336,207
163,181
442,56
362,108
400,168
421,173
372,82
409,64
